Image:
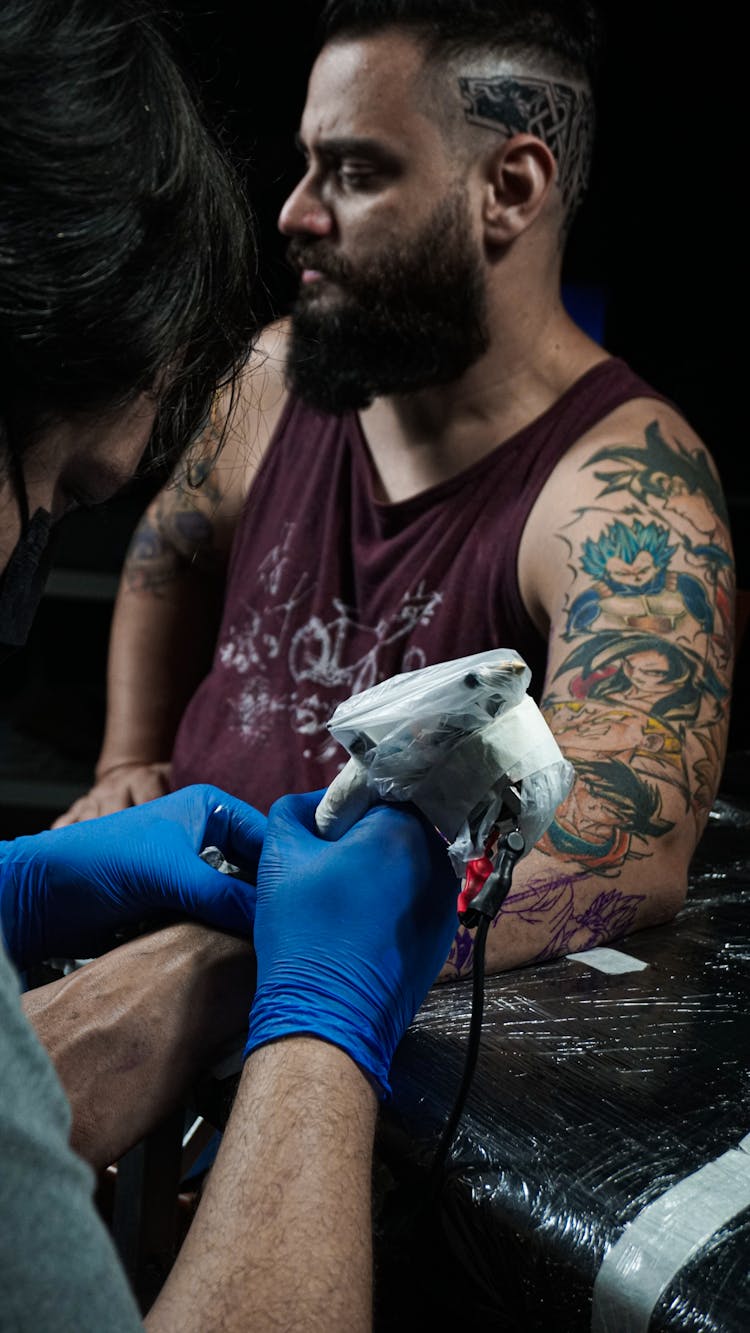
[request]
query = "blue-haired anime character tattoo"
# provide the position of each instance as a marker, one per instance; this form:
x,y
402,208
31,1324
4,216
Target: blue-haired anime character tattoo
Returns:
x,y
657,471
630,566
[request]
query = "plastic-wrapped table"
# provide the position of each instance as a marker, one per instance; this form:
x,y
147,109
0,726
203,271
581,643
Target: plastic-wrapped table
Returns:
x,y
601,1101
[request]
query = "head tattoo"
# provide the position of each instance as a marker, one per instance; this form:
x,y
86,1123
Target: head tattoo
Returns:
x,y
559,114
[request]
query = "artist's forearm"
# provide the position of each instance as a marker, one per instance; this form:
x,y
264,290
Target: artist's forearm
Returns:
x,y
130,1031
282,1238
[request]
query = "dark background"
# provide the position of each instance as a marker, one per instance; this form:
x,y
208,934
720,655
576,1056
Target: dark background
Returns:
x,y
656,240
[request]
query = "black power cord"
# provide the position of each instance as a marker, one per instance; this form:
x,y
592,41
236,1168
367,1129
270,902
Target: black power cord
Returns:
x,y
409,1221
481,912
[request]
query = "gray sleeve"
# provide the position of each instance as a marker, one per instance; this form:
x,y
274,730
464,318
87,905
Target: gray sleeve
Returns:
x,y
58,1267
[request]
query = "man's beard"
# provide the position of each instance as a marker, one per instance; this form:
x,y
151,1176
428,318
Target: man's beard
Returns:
x,y
412,317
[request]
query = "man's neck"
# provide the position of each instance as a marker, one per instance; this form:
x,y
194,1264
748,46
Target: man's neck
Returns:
x,y
419,440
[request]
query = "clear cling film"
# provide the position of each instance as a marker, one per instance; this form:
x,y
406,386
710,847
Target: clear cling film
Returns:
x,y
453,738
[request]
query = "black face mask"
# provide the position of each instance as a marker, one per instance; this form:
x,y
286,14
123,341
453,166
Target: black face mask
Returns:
x,y
22,583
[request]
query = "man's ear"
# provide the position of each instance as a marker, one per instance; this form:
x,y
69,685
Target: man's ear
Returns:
x,y
519,176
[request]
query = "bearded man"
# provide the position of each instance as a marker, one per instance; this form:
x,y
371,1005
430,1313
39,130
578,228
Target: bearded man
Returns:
x,y
422,457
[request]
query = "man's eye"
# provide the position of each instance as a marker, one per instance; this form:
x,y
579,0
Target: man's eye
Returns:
x,y
355,177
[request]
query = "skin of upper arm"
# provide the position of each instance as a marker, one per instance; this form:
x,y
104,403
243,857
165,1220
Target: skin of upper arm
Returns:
x,y
626,564
190,523
627,557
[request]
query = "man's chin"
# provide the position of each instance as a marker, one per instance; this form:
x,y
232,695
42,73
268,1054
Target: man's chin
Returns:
x,y
315,369
316,303
342,356
333,398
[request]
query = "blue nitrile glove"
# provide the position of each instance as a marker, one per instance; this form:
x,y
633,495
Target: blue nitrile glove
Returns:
x,y
65,892
349,935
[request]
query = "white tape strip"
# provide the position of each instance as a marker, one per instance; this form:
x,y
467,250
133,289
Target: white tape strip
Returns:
x,y
521,741
608,960
663,1237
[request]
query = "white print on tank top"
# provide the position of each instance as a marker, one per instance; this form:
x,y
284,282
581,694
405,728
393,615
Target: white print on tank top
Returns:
x,y
320,671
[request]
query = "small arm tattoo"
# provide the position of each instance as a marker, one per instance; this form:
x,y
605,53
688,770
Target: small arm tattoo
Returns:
x,y
172,537
151,563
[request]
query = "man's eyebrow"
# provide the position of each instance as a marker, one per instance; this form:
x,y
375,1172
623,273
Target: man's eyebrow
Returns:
x,y
350,146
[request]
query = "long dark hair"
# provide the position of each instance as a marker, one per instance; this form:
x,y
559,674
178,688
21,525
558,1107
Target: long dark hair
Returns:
x,y
127,252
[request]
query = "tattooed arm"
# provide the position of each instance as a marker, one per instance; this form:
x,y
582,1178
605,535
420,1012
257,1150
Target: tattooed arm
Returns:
x,y
169,601
626,565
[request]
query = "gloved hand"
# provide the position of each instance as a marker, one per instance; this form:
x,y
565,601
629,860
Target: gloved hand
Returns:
x,y
349,935
65,892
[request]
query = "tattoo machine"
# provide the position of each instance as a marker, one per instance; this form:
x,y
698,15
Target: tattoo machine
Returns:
x,y
468,746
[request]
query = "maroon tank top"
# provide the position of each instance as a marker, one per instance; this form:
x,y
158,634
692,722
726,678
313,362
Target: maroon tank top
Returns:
x,y
330,590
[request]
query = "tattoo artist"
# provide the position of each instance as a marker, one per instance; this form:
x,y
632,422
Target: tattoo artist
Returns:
x,y
123,307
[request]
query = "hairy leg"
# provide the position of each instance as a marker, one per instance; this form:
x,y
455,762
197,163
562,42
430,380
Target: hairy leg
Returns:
x,y
129,1032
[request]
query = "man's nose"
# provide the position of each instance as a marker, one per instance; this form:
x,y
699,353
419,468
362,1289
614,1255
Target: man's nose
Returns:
x,y
304,213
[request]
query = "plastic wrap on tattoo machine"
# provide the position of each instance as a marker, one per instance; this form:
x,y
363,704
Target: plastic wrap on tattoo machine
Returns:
x,y
452,738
